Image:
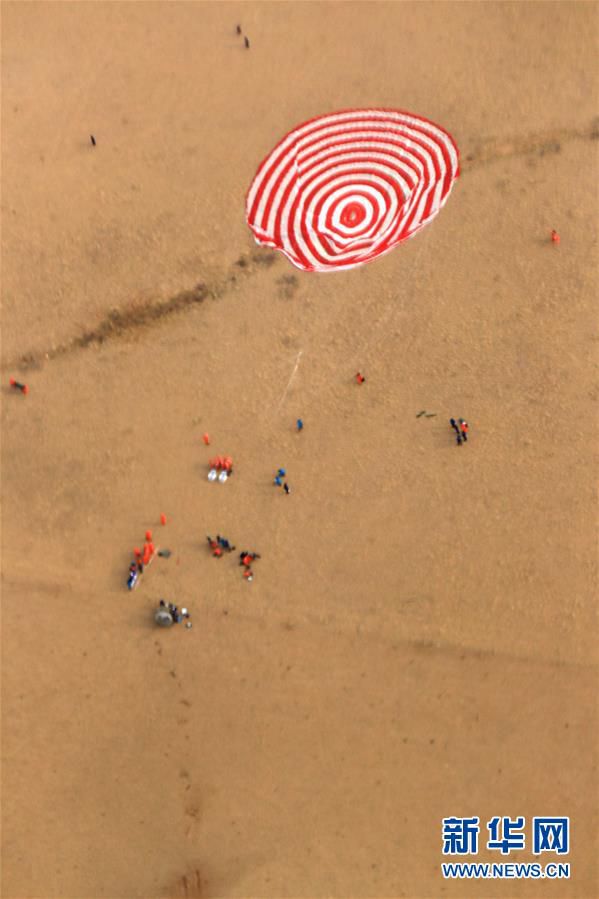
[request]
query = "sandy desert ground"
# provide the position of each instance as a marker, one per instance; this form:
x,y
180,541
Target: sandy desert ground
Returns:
x,y
420,639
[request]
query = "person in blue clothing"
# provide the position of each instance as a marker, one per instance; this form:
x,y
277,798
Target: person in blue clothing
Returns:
x,y
133,575
224,543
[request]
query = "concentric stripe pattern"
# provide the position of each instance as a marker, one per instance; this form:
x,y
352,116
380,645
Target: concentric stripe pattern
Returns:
x,y
345,188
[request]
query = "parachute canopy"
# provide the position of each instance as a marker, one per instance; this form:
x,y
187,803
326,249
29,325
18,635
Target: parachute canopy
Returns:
x,y
344,188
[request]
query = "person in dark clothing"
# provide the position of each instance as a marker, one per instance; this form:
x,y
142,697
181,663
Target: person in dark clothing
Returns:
x,y
177,617
286,487
453,424
133,575
225,543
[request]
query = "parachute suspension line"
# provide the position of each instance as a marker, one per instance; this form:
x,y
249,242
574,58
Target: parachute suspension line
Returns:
x,y
394,307
293,373
391,311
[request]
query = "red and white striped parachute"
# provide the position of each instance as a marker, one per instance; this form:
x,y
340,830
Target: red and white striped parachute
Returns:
x,y
345,188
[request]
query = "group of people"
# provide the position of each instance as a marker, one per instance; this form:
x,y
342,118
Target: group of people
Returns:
x,y
461,429
246,558
220,545
221,467
167,614
278,481
222,463
136,568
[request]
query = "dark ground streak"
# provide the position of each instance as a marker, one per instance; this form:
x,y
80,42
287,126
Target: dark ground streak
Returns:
x,y
137,315
488,150
120,322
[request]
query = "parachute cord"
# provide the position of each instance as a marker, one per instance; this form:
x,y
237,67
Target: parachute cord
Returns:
x,y
393,307
295,367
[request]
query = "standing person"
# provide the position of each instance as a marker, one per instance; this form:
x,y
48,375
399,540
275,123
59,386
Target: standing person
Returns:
x,y
286,488
463,429
453,424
